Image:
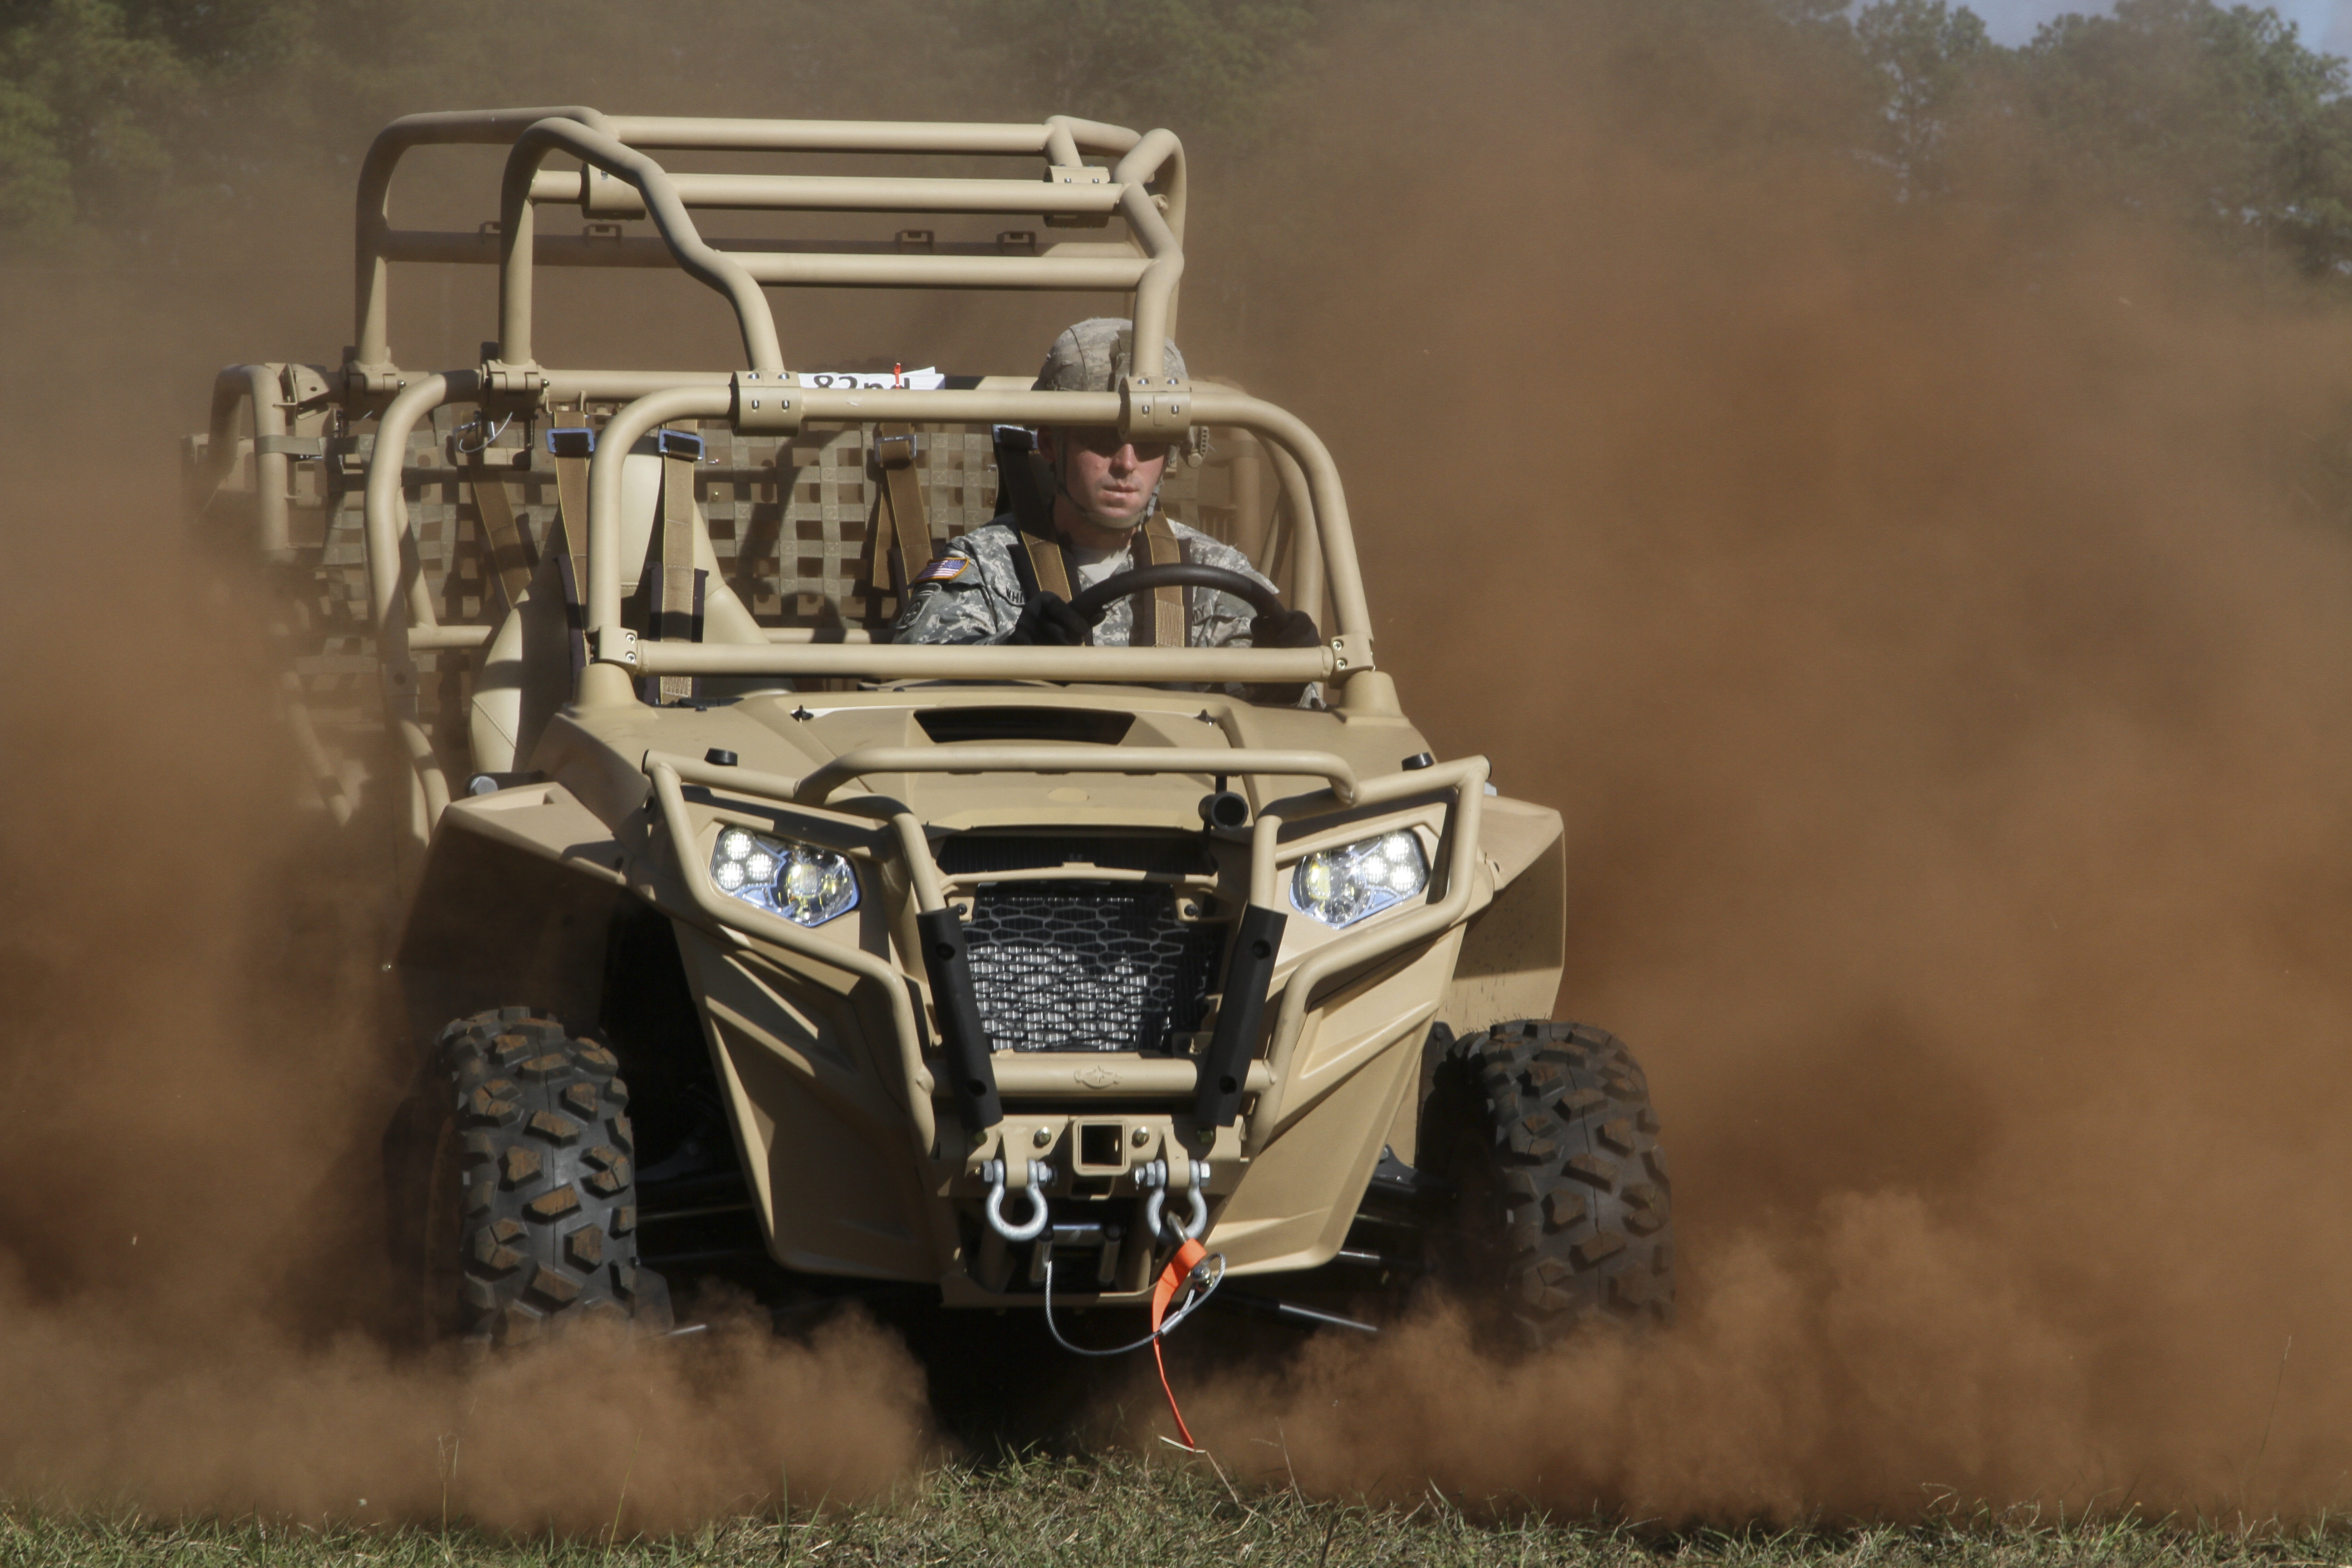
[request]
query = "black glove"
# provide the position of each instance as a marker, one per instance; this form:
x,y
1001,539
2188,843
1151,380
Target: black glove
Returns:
x,y
1289,628
1047,621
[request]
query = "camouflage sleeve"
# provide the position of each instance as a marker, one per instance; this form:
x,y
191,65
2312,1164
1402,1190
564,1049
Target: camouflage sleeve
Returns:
x,y
971,594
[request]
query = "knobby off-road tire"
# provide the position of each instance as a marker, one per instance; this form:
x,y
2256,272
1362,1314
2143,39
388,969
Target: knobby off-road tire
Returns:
x,y
1564,1212
531,1214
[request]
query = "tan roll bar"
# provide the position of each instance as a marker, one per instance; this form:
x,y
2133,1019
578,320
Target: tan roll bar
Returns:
x,y
1137,188
618,654
711,267
618,180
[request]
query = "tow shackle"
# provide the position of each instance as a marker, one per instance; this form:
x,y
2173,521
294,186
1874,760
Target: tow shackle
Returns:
x,y
1153,1179
992,1172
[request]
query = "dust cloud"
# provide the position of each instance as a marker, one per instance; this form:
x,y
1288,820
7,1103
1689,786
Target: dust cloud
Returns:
x,y
1933,626
1930,625
192,1291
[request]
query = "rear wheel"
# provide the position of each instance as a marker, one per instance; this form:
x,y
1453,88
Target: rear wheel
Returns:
x,y
1561,1206
529,1212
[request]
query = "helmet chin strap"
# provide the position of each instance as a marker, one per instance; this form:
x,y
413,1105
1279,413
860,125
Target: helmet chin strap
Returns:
x,y
1108,524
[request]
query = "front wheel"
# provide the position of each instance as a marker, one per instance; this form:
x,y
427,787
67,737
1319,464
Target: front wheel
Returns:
x,y
1561,1210
527,1213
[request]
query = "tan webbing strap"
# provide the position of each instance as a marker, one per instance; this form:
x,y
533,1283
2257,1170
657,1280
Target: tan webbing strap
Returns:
x,y
1052,567
571,562
1168,627
677,604
902,545
511,556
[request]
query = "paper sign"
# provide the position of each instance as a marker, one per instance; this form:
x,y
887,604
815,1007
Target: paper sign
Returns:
x,y
927,379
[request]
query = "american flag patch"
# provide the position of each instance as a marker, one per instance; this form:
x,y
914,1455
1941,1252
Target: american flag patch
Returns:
x,y
946,569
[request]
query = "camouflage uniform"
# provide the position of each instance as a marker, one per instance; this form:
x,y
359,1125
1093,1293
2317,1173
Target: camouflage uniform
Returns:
x,y
980,603
972,594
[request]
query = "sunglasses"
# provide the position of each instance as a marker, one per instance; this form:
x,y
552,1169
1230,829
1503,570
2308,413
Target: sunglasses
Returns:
x,y
1105,443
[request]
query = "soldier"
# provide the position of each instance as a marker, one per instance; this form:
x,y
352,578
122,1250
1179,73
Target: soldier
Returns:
x,y
996,585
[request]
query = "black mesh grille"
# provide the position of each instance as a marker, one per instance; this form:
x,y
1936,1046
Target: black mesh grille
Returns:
x,y
987,854
1088,966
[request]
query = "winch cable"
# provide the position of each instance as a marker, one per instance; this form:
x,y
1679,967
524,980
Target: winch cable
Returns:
x,y
1190,1267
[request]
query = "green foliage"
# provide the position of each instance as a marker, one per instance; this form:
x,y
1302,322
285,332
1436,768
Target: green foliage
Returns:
x,y
91,103
2181,108
35,181
1928,55
1213,68
123,118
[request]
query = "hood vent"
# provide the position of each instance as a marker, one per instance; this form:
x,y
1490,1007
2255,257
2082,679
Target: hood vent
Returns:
x,y
1084,725
991,854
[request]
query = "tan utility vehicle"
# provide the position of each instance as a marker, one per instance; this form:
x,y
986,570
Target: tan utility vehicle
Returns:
x,y
977,971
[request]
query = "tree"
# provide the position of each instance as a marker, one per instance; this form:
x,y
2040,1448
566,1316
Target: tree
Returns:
x,y
1928,55
2180,108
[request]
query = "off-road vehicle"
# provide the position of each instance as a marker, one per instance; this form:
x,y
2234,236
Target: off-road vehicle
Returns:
x,y
735,939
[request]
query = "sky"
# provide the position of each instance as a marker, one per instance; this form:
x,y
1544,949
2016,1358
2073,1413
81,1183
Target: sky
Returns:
x,y
2327,24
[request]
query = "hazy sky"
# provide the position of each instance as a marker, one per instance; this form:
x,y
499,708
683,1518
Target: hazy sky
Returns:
x,y
2327,24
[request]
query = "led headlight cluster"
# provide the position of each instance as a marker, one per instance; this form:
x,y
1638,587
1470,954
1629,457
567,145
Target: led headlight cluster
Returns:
x,y
806,885
1340,887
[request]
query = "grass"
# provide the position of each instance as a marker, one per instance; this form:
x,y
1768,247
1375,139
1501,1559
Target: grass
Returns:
x,y
1105,1512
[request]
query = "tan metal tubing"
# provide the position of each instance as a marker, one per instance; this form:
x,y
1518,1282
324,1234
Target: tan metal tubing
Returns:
x,y
1306,541
569,385
987,661
735,914
967,759
602,682
1084,274
380,506
1328,517
711,267
831,194
621,433
1467,779
1048,1076
374,219
426,764
1063,138
847,634
818,264
1155,297
922,869
238,385
421,638
1116,141
688,133
1072,134
1265,847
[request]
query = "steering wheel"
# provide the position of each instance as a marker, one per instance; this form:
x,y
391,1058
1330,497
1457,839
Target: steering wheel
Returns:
x,y
1177,574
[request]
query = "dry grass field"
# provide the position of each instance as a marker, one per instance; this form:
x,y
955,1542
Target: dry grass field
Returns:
x,y
1105,1512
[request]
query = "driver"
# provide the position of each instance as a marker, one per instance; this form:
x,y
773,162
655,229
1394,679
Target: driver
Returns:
x,y
1005,583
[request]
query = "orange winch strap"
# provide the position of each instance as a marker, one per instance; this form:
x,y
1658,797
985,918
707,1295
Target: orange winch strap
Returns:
x,y
1172,1279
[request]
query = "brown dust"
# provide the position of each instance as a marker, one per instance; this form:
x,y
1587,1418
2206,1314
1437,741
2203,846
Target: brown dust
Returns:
x,y
1931,626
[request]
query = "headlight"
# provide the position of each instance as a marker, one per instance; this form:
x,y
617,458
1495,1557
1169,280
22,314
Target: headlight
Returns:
x,y
806,885
1340,887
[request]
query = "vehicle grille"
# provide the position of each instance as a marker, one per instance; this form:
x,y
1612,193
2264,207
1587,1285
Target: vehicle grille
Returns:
x,y
1088,966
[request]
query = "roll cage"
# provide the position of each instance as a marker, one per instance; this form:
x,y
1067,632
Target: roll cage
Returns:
x,y
1130,186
